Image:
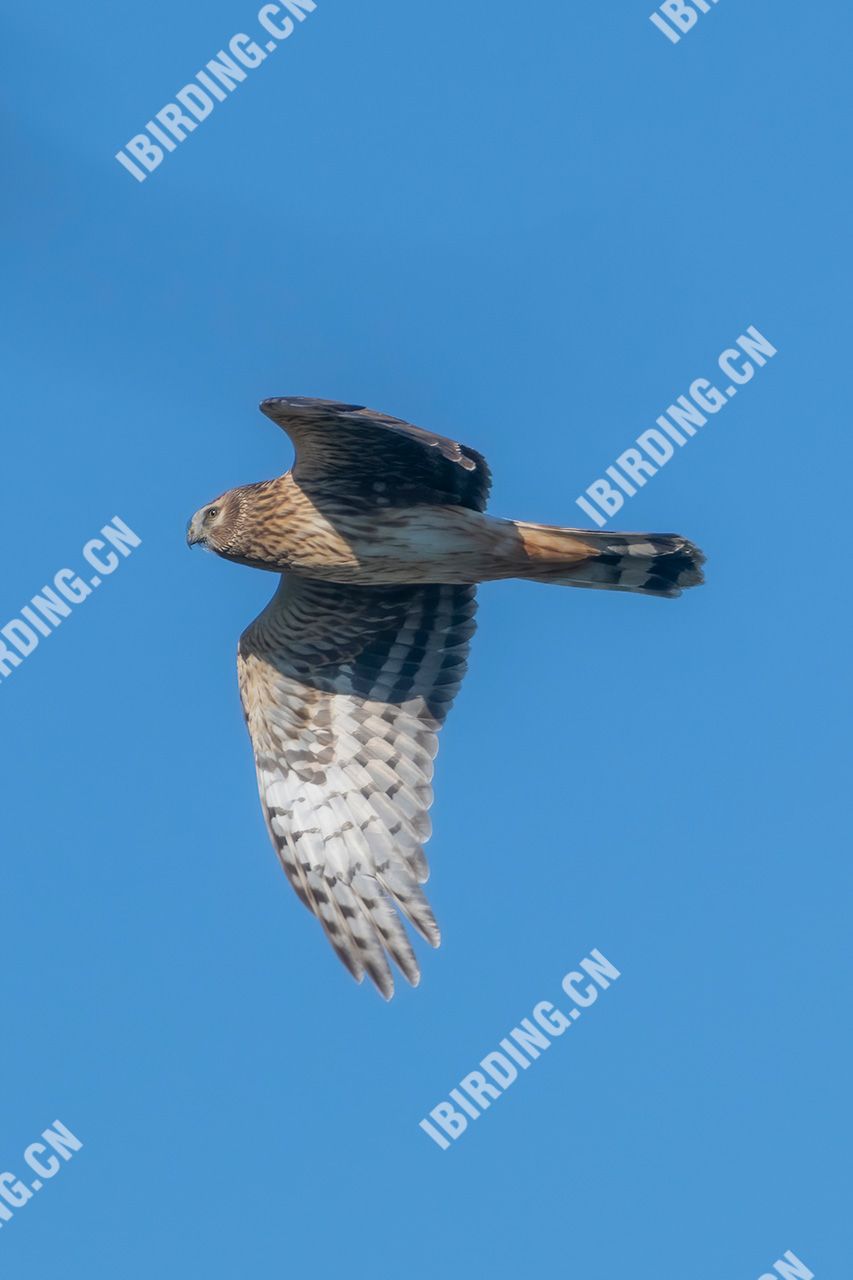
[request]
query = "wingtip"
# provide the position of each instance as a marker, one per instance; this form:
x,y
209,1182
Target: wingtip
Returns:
x,y
271,404
385,989
276,406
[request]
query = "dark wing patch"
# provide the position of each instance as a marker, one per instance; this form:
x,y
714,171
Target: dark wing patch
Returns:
x,y
350,451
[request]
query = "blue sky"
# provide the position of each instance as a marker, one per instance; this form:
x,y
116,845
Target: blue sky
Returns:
x,y
528,227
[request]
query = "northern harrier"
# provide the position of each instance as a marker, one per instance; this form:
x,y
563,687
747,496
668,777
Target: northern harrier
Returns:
x,y
380,536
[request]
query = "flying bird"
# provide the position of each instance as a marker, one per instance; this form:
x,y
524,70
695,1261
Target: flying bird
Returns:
x,y
380,536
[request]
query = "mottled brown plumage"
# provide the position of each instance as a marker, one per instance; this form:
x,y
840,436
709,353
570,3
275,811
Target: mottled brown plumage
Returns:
x,y
380,535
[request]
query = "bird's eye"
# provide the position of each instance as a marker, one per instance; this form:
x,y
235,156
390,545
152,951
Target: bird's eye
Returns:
x,y
212,513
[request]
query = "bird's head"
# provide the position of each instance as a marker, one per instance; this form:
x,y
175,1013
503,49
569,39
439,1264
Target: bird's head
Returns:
x,y
218,525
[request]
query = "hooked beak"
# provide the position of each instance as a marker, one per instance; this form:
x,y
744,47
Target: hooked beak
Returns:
x,y
195,536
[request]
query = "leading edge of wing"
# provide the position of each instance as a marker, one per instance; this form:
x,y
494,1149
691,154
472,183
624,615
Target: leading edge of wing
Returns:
x,y
466,478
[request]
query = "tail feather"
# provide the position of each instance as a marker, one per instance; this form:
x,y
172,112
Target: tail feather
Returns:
x,y
655,564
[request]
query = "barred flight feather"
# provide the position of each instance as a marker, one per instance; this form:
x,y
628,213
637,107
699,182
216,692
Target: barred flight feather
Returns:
x,y
344,731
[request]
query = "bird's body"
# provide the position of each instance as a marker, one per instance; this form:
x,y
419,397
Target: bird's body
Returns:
x,y
380,535
319,534
315,532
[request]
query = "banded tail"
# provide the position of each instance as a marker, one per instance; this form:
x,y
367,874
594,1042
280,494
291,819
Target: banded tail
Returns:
x,y
654,564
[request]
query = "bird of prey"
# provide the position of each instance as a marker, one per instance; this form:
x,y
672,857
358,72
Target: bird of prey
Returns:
x,y
380,536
